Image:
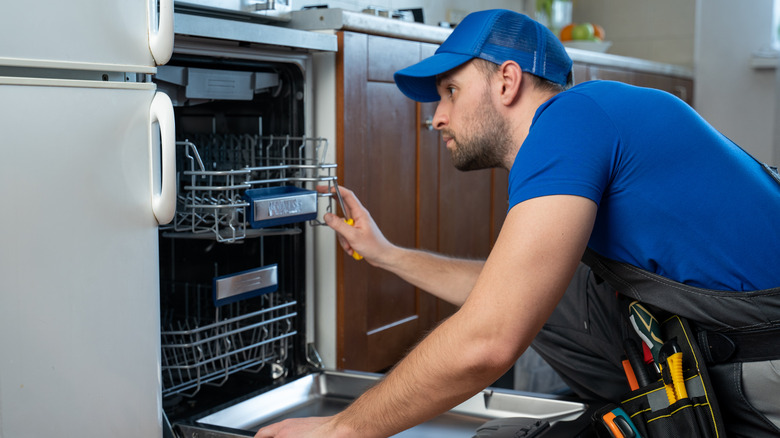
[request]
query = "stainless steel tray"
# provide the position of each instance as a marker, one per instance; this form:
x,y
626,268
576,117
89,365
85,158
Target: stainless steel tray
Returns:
x,y
328,392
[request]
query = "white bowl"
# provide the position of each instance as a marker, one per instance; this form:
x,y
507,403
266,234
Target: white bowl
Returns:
x,y
593,46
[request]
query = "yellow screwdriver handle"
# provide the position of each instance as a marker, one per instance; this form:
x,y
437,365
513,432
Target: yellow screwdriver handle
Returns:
x,y
355,254
674,362
670,393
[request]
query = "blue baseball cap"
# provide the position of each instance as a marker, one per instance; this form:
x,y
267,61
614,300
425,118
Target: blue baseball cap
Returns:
x,y
495,35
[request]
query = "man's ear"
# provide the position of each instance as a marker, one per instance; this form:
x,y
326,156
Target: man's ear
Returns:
x,y
511,80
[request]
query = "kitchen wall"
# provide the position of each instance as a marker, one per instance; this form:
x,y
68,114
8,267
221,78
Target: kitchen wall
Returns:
x,y
434,11
717,40
661,30
739,99
658,30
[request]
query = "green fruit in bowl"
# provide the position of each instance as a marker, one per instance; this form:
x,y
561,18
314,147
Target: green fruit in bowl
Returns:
x,y
583,31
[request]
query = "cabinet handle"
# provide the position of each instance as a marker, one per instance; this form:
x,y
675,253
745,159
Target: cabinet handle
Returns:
x,y
428,124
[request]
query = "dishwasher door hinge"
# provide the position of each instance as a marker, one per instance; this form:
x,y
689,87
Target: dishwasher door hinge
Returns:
x,y
313,356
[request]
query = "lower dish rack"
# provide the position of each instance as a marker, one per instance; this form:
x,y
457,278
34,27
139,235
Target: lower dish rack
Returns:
x,y
206,344
216,171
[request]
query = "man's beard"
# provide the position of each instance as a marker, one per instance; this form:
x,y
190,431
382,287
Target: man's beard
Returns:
x,y
487,142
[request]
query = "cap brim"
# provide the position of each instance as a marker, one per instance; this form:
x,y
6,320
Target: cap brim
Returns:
x,y
418,81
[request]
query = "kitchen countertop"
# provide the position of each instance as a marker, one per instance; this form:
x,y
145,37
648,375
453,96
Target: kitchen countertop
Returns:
x,y
340,19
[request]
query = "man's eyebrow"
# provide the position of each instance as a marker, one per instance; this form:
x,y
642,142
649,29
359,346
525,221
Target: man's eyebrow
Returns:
x,y
441,77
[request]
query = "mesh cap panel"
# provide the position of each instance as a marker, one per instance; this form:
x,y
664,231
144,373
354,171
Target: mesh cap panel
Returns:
x,y
497,36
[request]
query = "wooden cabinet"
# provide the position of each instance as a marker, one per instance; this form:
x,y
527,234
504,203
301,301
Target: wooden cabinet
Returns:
x,y
401,172
679,86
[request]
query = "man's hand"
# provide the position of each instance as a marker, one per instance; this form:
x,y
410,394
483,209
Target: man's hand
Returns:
x,y
447,278
313,427
364,236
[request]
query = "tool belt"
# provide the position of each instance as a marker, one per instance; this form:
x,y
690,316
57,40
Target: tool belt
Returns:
x,y
650,412
707,327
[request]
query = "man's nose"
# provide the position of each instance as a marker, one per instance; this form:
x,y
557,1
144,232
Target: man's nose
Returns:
x,y
440,117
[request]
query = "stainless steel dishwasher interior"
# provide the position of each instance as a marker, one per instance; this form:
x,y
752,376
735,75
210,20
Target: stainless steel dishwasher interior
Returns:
x,y
328,392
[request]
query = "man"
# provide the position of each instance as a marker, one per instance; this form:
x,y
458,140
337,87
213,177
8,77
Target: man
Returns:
x,y
632,174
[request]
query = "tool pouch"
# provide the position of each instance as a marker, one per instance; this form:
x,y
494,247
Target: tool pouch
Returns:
x,y
732,326
697,415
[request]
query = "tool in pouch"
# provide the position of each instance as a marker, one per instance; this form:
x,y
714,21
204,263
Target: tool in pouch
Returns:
x,y
612,421
673,303
647,328
677,402
666,355
347,217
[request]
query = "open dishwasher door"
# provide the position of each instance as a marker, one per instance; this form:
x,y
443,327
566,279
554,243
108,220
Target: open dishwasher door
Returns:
x,y
326,393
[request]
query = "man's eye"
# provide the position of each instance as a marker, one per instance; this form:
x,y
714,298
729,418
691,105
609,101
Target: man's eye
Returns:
x,y
450,90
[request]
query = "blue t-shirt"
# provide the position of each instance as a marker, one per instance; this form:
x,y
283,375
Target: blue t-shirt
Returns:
x,y
674,196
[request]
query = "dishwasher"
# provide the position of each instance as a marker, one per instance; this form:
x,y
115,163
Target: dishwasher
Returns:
x,y
236,261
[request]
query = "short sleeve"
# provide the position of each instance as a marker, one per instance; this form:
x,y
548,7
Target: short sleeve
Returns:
x,y
571,149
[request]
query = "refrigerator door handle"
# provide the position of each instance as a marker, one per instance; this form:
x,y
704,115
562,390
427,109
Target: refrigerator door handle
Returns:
x,y
164,158
161,30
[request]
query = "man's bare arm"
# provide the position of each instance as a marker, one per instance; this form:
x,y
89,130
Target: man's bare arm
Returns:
x,y
522,281
448,278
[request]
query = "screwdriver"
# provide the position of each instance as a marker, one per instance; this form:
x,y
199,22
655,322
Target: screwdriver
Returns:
x,y
347,218
617,424
647,328
671,359
637,364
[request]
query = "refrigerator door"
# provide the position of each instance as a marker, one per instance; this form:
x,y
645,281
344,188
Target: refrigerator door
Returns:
x,y
79,305
119,35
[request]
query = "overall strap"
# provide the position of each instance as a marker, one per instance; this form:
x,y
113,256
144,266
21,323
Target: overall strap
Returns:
x,y
732,326
772,171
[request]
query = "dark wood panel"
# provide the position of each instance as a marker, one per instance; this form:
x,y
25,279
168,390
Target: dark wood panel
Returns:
x,y
464,221
429,147
680,87
352,295
465,209
380,316
391,194
500,202
580,72
683,88
611,74
388,55
429,151
388,345
651,80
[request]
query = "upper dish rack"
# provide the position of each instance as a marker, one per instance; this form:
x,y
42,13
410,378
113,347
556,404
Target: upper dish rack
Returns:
x,y
216,170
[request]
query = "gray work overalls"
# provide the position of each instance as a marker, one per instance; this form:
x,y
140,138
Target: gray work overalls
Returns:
x,y
738,333
582,340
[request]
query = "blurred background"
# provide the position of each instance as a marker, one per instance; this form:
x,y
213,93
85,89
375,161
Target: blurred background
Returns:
x,y
730,46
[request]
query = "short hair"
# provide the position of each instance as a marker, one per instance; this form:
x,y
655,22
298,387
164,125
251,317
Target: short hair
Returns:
x,y
489,68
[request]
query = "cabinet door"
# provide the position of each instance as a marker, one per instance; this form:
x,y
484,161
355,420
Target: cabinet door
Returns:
x,y
580,72
403,175
377,312
470,206
679,86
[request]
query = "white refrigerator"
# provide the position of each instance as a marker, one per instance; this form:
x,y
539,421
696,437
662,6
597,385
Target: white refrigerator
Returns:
x,y
85,178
